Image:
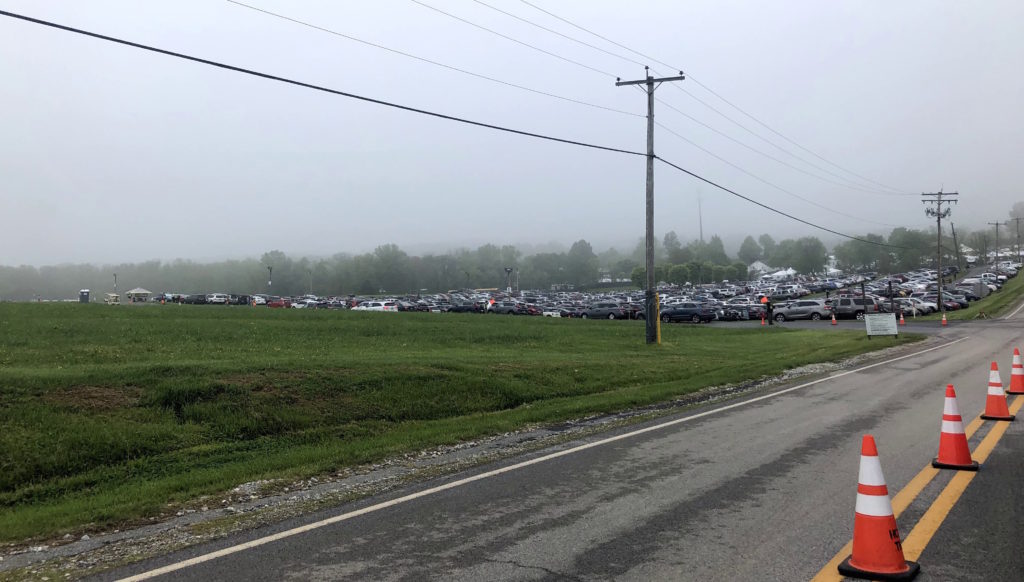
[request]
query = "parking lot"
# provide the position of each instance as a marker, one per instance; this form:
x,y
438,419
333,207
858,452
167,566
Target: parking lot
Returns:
x,y
911,294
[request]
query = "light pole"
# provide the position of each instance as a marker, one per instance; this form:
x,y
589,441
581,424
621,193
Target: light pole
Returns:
x,y
270,277
115,282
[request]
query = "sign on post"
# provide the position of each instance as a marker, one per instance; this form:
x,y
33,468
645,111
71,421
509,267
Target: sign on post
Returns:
x,y
881,324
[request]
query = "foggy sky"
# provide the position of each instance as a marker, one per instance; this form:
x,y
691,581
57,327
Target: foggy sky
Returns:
x,y
111,154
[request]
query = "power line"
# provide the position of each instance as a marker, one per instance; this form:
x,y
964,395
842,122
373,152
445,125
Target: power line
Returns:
x,y
416,110
705,87
767,155
777,187
776,211
565,36
780,148
433,62
316,87
517,41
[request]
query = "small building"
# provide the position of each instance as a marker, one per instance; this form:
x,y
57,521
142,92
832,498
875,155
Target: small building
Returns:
x,y
139,295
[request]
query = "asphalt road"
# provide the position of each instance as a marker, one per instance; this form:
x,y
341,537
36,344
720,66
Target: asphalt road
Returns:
x,y
763,490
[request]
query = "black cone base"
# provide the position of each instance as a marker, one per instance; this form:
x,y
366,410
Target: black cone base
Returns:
x,y
974,466
847,570
987,417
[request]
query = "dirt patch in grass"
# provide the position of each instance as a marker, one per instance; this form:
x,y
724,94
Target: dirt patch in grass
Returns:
x,y
95,398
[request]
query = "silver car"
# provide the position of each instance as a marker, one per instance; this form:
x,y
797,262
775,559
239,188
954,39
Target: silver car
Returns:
x,y
803,309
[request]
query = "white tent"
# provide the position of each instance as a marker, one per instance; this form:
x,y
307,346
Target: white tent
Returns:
x,y
783,274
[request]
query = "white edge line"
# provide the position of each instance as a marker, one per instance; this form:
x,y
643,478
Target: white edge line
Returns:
x,y
1019,307
452,485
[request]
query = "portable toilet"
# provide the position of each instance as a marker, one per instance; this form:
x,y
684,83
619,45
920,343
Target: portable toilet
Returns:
x,y
83,296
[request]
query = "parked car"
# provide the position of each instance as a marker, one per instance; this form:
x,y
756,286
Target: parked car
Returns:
x,y
688,311
854,307
605,310
505,308
814,309
278,302
377,306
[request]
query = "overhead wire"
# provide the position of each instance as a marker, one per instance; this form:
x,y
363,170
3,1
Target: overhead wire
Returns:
x,y
775,210
515,40
767,155
407,108
316,87
433,62
771,184
716,94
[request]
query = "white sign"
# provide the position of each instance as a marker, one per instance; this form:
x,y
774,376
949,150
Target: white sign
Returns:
x,y
881,324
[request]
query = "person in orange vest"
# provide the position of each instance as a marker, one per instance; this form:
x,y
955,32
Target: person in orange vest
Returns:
x,y
768,309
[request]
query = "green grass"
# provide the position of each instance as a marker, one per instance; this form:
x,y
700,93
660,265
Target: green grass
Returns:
x,y
109,413
994,305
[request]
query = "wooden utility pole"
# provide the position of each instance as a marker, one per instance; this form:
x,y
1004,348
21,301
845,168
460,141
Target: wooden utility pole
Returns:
x,y
938,199
956,247
650,311
1017,220
997,225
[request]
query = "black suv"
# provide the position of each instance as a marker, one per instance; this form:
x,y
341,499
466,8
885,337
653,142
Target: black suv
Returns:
x,y
605,310
694,312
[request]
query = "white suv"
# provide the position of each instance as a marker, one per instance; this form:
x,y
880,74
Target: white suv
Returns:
x,y
217,298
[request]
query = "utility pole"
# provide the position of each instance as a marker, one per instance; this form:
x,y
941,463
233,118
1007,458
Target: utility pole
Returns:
x,y
1016,220
996,224
938,200
650,313
270,277
956,247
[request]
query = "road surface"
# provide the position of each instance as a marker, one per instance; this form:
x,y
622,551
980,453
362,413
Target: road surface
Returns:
x,y
761,488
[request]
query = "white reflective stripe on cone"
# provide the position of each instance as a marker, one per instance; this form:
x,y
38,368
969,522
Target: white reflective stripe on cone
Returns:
x,y
950,407
995,389
952,427
874,505
870,471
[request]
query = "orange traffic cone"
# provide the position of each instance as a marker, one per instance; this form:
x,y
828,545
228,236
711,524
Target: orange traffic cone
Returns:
x,y
902,321
834,319
762,319
995,404
877,547
944,320
953,451
1016,375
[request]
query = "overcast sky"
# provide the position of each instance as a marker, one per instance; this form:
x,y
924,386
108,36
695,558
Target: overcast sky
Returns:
x,y
112,154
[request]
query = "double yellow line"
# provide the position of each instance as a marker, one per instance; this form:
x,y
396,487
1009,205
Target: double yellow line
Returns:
x,y
917,541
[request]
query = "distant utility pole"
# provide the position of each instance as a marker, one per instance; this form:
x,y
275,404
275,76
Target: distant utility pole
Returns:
x,y
651,83
115,282
270,277
1016,220
997,225
938,199
956,247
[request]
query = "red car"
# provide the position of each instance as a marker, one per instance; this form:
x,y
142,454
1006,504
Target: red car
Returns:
x,y
275,301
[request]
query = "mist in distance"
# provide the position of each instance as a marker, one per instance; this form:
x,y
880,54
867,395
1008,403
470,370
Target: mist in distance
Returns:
x,y
114,155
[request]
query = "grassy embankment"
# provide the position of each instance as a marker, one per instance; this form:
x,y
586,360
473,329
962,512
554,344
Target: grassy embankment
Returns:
x,y
107,414
996,304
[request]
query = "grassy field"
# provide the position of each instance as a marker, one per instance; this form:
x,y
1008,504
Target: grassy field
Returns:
x,y
107,414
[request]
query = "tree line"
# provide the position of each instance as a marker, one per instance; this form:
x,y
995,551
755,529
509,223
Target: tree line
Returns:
x,y
390,270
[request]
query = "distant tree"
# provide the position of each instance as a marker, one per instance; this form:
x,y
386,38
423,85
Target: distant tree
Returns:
x,y
1017,211
679,274
810,255
675,252
913,247
719,272
749,251
767,246
639,277
716,251
581,264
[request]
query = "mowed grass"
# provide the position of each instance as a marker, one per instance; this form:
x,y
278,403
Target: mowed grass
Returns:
x,y
109,413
